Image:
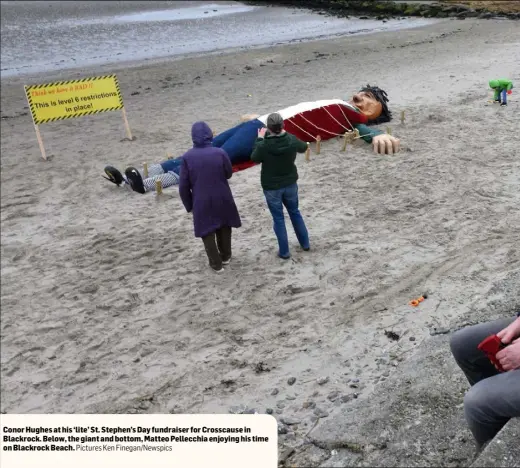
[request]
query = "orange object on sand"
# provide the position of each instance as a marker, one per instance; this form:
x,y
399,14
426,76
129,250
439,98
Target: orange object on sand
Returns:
x,y
416,302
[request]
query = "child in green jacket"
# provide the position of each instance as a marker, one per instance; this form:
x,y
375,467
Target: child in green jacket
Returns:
x,y
502,88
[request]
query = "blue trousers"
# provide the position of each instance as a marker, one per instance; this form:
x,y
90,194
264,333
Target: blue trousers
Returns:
x,y
238,142
276,200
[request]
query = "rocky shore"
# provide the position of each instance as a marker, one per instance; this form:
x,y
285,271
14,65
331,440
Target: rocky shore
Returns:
x,y
388,9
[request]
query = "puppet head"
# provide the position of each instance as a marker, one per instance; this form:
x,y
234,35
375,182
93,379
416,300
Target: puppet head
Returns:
x,y
372,102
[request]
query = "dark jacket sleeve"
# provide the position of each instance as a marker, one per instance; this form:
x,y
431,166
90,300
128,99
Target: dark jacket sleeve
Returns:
x,y
185,187
367,133
257,154
228,168
300,146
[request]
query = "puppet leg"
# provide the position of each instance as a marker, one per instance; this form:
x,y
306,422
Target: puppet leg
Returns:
x,y
240,143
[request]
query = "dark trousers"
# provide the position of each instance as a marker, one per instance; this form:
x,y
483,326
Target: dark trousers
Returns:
x,y
494,397
218,247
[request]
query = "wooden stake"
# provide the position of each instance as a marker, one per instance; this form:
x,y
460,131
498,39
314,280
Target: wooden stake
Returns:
x,y
402,117
40,142
145,170
169,155
158,187
388,130
308,152
127,126
318,144
346,138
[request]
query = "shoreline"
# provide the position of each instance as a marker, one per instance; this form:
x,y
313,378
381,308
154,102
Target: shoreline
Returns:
x,y
389,9
115,67
14,74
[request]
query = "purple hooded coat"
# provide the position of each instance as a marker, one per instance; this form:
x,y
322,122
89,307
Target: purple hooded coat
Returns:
x,y
203,184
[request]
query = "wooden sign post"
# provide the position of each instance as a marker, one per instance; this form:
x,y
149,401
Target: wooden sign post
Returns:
x,y
62,100
318,144
308,152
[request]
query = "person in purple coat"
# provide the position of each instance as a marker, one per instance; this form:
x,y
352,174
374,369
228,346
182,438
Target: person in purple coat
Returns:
x,y
205,191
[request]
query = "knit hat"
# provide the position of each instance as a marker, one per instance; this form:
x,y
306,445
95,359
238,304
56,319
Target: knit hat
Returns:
x,y
275,122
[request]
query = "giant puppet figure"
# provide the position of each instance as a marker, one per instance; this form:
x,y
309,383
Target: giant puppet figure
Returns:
x,y
307,121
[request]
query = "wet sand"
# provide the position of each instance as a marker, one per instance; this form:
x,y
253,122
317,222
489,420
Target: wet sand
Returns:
x,y
107,301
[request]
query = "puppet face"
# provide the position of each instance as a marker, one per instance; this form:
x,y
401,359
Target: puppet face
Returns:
x,y
367,104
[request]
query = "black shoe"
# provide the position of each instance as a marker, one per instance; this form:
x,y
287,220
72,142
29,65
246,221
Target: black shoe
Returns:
x,y
135,180
284,258
307,249
503,104
497,100
114,175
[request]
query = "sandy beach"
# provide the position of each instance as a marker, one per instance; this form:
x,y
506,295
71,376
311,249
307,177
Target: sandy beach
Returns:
x,y
108,304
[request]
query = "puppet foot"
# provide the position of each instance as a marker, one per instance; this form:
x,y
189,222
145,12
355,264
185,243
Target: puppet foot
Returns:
x,y
135,180
114,175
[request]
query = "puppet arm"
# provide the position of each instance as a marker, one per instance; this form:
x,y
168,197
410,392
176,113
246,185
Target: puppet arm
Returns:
x,y
382,143
367,133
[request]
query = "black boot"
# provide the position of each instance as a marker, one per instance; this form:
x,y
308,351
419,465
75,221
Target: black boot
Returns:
x,y
135,180
114,175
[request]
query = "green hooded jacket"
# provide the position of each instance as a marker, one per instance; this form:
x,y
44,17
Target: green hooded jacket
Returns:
x,y
277,155
500,85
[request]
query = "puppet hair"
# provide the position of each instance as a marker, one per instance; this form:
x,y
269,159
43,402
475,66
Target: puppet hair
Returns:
x,y
381,97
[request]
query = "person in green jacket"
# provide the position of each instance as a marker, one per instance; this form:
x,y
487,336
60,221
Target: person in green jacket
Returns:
x,y
276,150
502,88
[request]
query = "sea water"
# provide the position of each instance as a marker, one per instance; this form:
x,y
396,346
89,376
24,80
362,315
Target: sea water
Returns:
x,y
45,36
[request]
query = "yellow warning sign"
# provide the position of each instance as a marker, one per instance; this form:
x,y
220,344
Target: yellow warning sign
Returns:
x,y
69,99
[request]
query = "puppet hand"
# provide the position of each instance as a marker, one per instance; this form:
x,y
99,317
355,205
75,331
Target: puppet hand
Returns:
x,y
509,358
385,144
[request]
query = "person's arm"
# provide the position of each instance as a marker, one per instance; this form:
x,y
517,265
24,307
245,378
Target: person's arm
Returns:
x,y
367,133
185,187
509,86
300,146
228,168
258,154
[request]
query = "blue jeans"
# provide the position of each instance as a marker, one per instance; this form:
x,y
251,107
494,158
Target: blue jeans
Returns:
x,y
276,200
172,165
504,96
